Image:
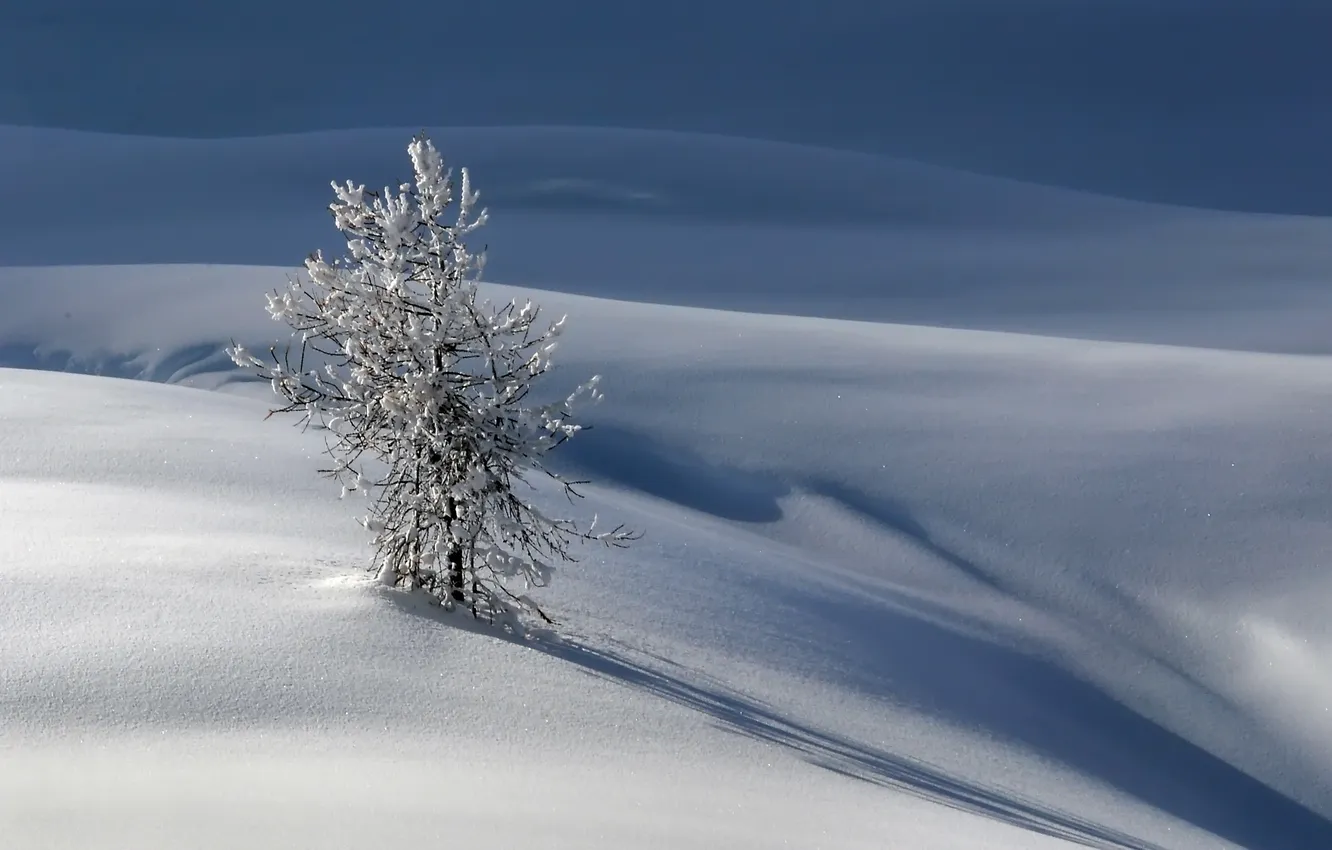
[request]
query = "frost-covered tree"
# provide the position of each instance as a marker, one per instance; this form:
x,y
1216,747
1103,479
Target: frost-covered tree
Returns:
x,y
423,389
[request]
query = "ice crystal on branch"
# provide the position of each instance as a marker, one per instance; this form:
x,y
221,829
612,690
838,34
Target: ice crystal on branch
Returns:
x,y
424,391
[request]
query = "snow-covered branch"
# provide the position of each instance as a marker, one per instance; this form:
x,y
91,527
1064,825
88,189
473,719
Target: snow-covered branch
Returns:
x,y
412,375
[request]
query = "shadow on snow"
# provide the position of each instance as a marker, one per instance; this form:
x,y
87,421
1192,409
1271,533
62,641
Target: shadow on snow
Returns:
x,y
743,715
1171,774
1024,699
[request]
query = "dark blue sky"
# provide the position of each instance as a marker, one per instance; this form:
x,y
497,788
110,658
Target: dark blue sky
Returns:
x,y
1209,102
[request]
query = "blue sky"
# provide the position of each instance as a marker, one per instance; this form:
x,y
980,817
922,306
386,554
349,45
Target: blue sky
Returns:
x,y
1208,102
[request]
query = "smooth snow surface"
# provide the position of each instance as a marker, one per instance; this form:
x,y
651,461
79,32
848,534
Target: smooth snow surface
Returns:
x,y
692,220
1219,103
901,585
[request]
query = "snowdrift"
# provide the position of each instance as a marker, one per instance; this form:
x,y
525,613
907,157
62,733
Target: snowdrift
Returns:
x,y
929,586
703,221
1066,586
1097,95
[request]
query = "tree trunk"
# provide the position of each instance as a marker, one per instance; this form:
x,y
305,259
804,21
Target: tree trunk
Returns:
x,y
454,556
456,572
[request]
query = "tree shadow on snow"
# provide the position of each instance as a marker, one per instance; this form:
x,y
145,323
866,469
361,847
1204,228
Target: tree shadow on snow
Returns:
x,y
976,684
1154,765
738,713
887,649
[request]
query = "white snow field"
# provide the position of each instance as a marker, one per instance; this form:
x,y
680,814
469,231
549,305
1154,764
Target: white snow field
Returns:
x,y
1053,576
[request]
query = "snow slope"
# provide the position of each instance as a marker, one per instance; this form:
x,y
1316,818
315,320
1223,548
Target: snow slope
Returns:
x,y
901,585
192,660
697,221
1097,94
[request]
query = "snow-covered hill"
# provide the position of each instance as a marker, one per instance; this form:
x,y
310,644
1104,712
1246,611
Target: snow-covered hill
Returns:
x,y
690,220
1099,94
1064,585
901,585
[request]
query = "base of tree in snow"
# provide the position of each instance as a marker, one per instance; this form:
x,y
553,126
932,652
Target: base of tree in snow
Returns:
x,y
413,375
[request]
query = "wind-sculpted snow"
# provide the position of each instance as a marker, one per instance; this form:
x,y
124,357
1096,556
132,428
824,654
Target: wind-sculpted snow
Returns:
x,y
939,587
673,175
690,220
1065,589
976,512
1212,102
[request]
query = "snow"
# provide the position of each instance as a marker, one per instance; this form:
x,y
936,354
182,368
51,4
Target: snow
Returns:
x,y
1097,95
768,227
943,585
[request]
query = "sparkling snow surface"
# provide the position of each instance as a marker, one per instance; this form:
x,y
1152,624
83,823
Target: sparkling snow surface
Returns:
x,y
901,585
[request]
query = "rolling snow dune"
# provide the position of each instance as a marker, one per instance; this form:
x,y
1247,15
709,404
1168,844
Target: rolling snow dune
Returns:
x,y
1062,586
901,584
700,221
1210,102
